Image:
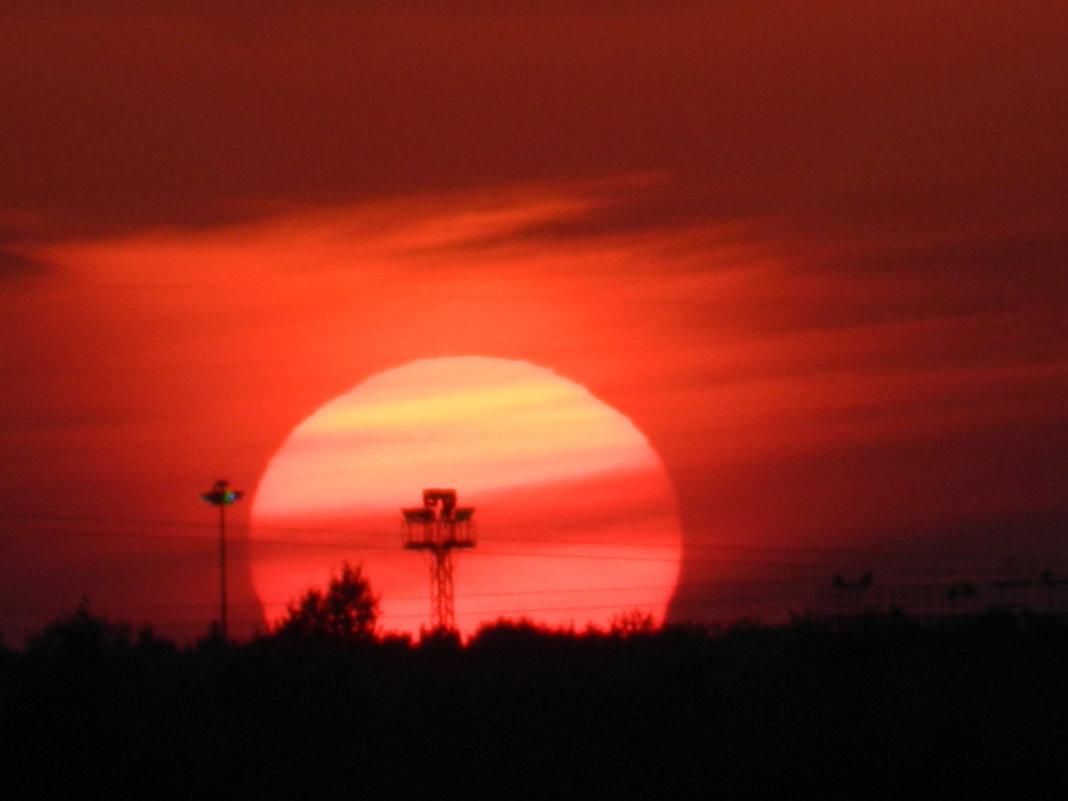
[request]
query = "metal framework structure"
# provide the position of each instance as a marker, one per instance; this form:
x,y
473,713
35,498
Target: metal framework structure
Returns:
x,y
439,527
222,496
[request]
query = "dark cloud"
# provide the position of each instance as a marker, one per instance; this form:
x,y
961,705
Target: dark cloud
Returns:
x,y
14,266
844,122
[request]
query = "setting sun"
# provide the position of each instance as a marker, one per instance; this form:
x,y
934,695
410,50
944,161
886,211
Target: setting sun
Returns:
x,y
577,519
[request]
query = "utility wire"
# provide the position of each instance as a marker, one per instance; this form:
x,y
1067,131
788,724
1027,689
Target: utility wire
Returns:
x,y
534,554
687,548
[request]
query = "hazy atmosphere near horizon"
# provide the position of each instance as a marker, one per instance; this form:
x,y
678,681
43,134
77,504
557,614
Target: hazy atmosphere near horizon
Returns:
x,y
749,294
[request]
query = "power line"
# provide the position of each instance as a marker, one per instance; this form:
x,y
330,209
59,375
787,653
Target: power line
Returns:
x,y
393,536
777,585
600,556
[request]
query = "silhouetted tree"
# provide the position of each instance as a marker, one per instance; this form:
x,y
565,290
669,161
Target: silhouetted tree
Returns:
x,y
347,611
81,635
85,638
627,624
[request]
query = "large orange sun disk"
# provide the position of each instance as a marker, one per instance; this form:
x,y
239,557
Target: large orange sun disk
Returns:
x,y
576,517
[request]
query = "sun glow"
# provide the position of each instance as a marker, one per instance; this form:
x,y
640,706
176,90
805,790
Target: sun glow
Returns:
x,y
577,518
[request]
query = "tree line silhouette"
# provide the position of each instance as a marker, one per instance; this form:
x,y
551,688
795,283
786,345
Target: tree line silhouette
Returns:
x,y
325,705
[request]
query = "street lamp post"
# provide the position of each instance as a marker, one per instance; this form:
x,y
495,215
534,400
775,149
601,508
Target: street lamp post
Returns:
x,y
222,496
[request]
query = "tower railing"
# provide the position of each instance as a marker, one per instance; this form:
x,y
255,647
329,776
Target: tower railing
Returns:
x,y
439,527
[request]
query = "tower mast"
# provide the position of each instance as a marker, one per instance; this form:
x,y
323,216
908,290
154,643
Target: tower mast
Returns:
x,y
439,527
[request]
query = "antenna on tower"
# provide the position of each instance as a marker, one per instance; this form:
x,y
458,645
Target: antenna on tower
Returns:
x,y
438,527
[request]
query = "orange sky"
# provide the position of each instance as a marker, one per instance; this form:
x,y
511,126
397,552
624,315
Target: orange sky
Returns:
x,y
813,250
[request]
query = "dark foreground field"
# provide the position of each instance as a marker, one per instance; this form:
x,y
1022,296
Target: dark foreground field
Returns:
x,y
882,707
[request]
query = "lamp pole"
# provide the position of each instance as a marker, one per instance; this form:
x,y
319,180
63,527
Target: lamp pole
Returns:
x,y
222,496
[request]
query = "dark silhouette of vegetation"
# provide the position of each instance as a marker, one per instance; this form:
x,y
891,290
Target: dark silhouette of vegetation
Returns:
x,y
88,637
884,705
346,612
627,624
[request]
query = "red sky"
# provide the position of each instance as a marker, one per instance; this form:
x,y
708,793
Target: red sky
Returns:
x,y
815,251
